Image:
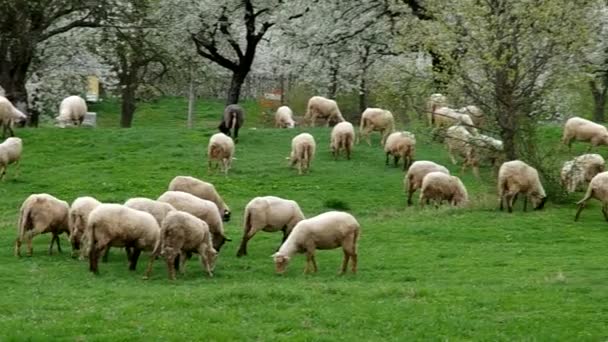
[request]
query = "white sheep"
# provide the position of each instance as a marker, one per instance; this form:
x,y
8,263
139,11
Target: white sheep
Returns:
x,y
581,169
515,177
79,215
303,148
323,108
203,209
72,110
220,150
584,130
40,214
439,187
445,117
9,116
115,225
284,118
598,189
269,214
488,148
10,153
202,190
342,138
415,174
180,235
155,208
401,145
329,230
475,113
457,140
376,119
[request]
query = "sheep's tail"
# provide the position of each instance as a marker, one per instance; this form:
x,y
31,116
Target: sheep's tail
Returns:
x,y
24,221
588,195
247,225
306,152
348,141
233,120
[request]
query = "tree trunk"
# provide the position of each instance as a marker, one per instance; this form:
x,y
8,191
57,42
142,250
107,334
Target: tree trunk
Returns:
x,y
599,100
234,92
282,88
362,94
128,106
333,87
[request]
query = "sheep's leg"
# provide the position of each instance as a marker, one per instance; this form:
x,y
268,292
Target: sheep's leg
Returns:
x,y
309,262
501,200
396,160
3,172
236,134
299,167
153,257
421,201
30,250
344,262
51,245
314,263
353,258
180,261
205,264
387,157
510,198
410,191
18,247
133,259
96,251
525,203
605,211
581,206
171,266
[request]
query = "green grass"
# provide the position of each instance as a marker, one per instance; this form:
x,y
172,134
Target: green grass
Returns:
x,y
433,274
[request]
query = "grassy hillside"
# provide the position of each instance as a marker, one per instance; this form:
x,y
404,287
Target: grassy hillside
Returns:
x,y
463,274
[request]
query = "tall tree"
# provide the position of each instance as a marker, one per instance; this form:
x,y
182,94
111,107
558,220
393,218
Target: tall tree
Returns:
x,y
597,58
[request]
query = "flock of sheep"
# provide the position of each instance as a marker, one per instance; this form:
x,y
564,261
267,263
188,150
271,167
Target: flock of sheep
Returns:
x,y
189,217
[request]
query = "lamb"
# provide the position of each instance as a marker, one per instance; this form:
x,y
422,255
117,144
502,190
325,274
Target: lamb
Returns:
x,y
415,174
445,117
598,189
323,108
40,214
401,145
155,208
9,116
181,234
581,169
220,149
72,110
115,225
475,113
342,138
10,153
376,119
515,177
203,209
232,121
434,102
202,190
79,215
326,231
457,141
584,130
440,187
302,151
284,118
269,214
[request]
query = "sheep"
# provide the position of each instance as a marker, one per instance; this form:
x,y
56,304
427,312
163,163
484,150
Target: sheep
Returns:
x,y
180,234
440,187
342,138
488,148
376,119
115,225
326,231
475,113
72,110
9,116
203,209
435,101
323,108
415,174
515,177
445,117
457,141
269,214
10,153
202,190
598,189
584,130
40,214
401,145
302,151
155,208
581,169
220,149
232,121
79,215
284,118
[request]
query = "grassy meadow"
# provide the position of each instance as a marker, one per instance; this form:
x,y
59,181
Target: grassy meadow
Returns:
x,y
432,274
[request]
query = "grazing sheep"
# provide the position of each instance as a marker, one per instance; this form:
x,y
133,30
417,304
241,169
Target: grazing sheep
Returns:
x,y
9,116
40,214
445,117
269,214
415,174
10,153
475,113
284,118
72,111
598,189
584,130
515,177
457,140
320,107
203,209
376,119
401,145
342,138
155,208
581,169
79,215
202,190
434,102
326,231
115,225
182,234
220,149
302,151
440,187
232,121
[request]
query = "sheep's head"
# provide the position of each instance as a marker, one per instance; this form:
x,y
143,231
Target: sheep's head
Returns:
x,y
19,118
291,124
605,138
226,215
280,262
211,255
539,202
219,240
